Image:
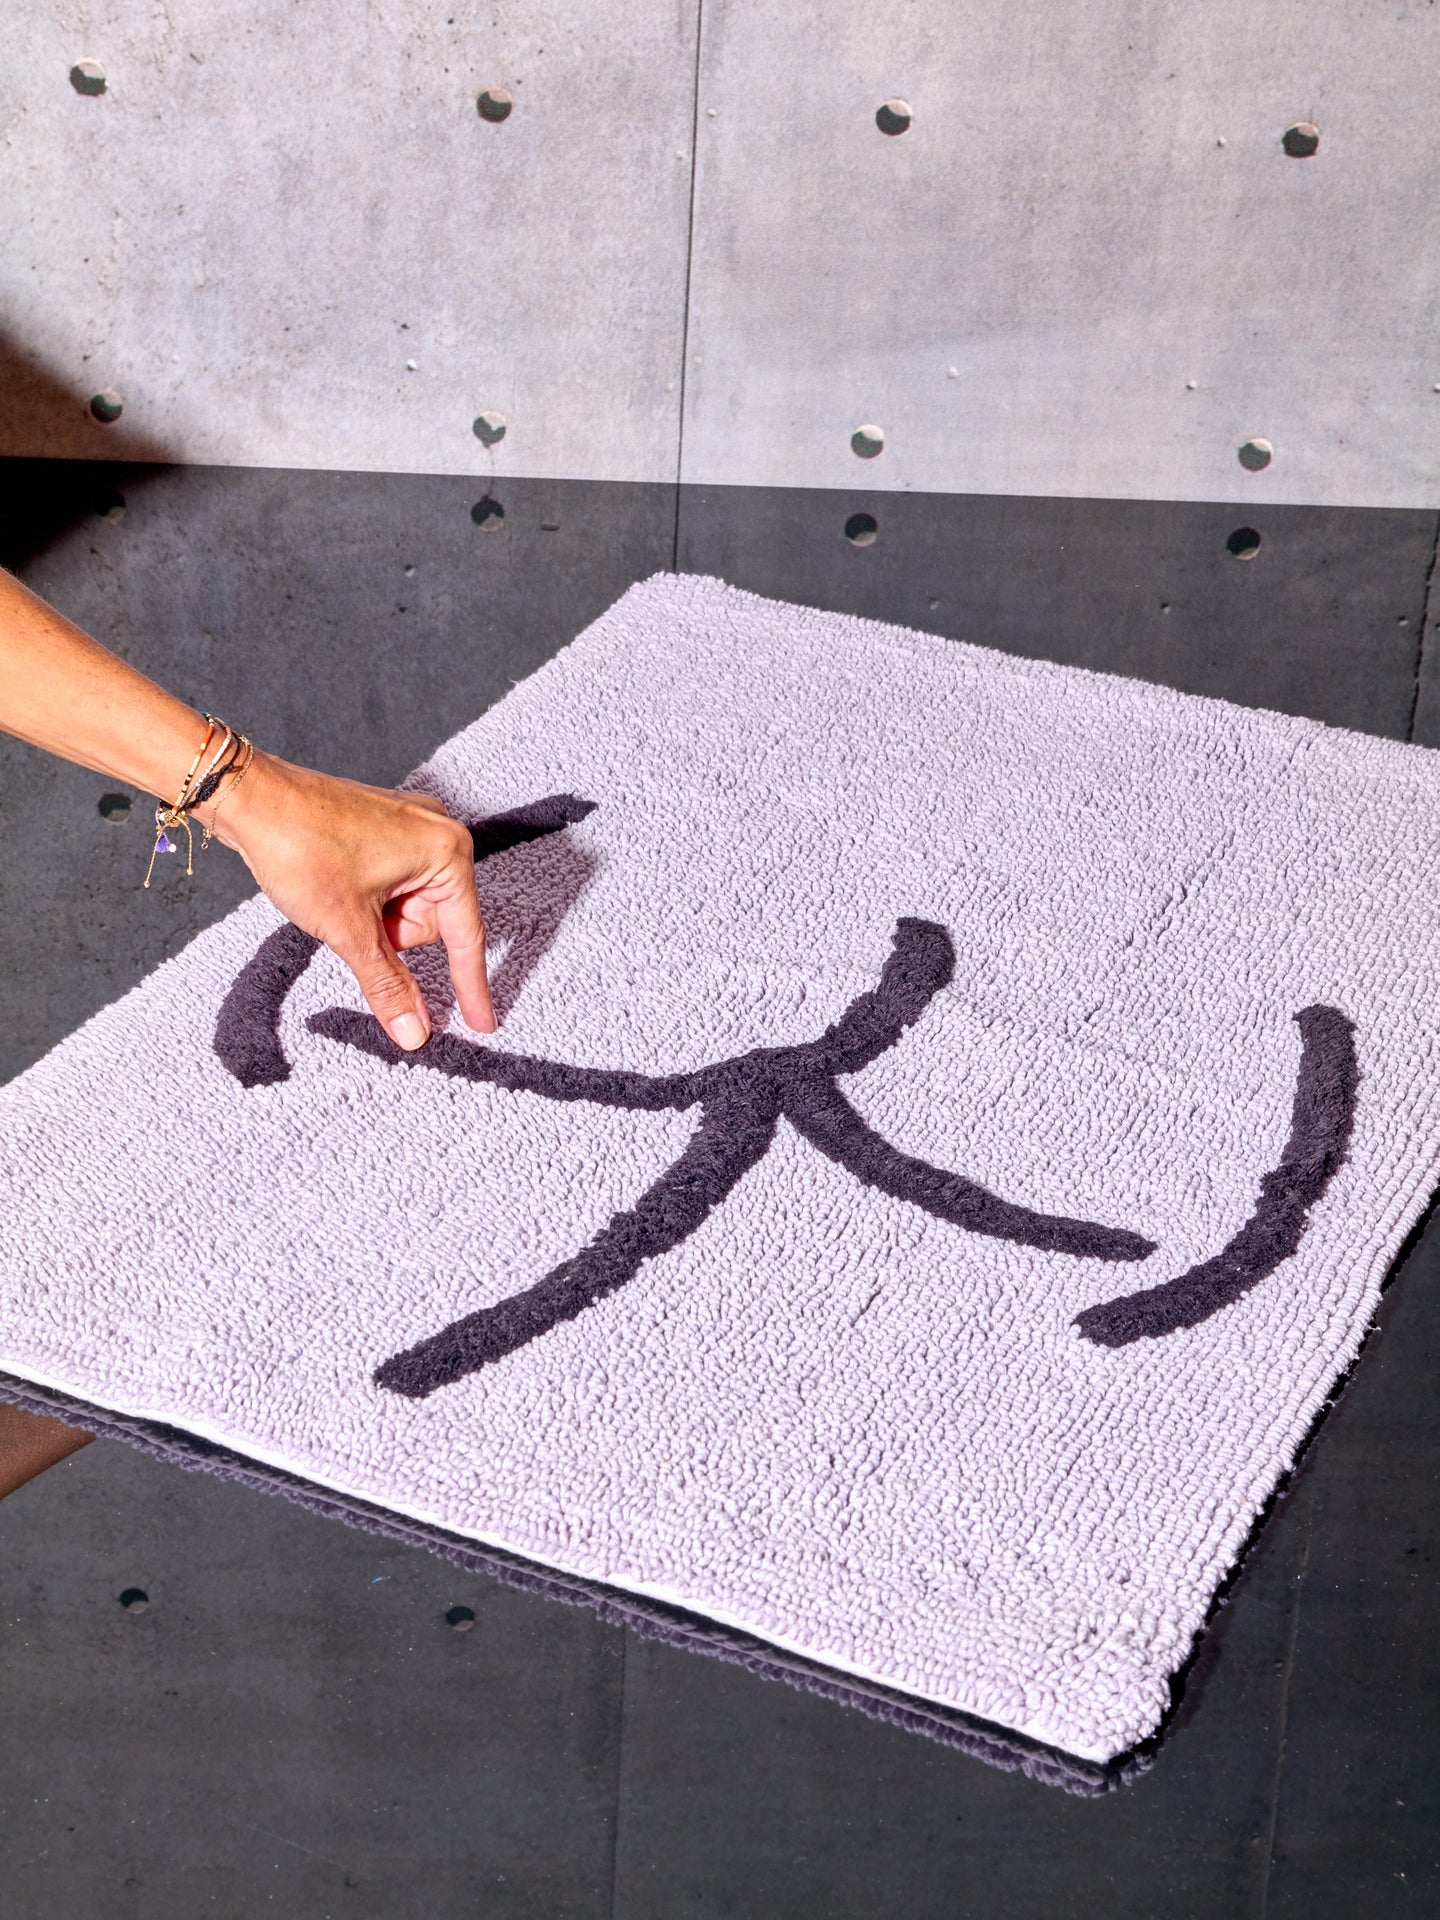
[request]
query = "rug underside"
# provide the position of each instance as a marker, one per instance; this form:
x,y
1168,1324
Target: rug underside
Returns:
x,y
652,1619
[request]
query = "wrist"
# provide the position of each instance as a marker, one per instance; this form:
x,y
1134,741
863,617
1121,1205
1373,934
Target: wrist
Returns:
x,y
247,799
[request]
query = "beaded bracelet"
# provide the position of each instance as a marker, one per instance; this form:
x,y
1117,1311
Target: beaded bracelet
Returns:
x,y
247,754
232,756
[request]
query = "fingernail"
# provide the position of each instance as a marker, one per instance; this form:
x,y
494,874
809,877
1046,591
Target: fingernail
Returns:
x,y
408,1032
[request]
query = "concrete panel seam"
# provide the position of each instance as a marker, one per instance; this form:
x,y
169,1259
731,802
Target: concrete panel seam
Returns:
x,y
689,272
617,1798
1424,630
1291,1641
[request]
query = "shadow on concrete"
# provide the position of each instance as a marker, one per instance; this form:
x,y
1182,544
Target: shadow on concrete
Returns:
x,y
42,494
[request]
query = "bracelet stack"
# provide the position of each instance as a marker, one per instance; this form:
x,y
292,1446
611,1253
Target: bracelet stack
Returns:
x,y
230,760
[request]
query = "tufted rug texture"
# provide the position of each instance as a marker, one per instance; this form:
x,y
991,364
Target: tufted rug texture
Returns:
x,y
951,1120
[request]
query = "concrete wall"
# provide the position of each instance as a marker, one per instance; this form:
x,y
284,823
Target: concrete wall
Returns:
x,y
284,236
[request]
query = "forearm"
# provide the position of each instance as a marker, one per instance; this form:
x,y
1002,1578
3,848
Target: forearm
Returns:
x,y
365,869
63,691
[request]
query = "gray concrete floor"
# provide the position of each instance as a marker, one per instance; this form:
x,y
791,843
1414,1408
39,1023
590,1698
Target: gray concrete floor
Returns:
x,y
291,1726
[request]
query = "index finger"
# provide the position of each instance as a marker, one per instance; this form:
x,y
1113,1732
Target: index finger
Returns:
x,y
459,923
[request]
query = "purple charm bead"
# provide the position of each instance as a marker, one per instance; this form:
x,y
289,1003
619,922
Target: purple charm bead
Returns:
x,y
164,844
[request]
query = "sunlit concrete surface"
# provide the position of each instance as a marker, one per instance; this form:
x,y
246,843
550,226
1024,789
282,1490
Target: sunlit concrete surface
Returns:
x,y
286,236
1090,263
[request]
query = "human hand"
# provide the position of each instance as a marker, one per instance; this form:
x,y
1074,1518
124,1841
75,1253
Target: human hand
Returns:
x,y
369,871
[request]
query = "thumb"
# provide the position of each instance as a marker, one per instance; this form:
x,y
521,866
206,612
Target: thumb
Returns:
x,y
389,989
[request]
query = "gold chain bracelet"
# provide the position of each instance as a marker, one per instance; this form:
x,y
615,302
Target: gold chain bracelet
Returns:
x,y
231,757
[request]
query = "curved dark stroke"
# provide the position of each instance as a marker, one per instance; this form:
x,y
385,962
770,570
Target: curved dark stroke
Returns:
x,y
247,1030
1320,1128
741,1101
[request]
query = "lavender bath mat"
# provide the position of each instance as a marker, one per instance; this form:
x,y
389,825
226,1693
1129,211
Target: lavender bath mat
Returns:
x,y
951,1121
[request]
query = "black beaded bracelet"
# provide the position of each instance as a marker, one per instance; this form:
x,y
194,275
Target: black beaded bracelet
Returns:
x,y
233,755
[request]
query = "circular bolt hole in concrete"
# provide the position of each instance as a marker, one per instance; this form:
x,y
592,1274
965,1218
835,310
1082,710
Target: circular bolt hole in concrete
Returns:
x,y
1301,140
462,1619
1256,455
861,529
489,427
87,76
115,806
107,406
495,105
110,505
894,117
488,515
134,1599
868,440
1244,543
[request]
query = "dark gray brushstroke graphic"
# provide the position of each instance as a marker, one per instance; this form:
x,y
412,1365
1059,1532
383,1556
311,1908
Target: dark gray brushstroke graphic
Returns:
x,y
1320,1128
740,1101
247,1031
